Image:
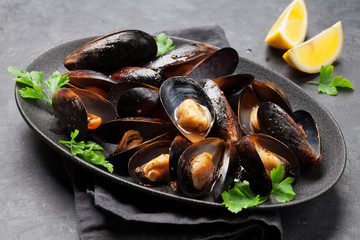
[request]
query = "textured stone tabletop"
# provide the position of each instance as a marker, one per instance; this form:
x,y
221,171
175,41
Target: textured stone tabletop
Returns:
x,y
36,200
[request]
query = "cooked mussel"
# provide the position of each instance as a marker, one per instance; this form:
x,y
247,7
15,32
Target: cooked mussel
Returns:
x,y
91,80
138,74
188,107
81,109
127,135
150,164
276,122
197,166
114,51
252,96
226,124
261,153
180,60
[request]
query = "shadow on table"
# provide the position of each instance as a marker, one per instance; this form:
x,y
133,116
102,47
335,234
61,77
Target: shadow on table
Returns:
x,y
316,219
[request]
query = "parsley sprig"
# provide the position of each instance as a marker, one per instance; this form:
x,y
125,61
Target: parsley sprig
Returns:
x,y
34,82
89,151
164,44
241,196
328,83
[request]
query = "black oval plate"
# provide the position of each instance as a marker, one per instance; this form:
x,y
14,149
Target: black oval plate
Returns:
x,y
313,181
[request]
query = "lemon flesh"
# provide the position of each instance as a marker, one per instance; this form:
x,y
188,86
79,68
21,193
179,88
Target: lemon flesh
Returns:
x,y
323,49
290,28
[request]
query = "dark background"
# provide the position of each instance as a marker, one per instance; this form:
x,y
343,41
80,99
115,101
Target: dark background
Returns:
x,y
36,201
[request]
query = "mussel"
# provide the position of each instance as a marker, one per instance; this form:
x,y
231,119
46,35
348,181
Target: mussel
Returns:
x,y
181,60
188,107
276,122
138,74
127,135
92,81
261,153
150,164
81,109
132,99
197,166
114,51
252,96
220,63
226,124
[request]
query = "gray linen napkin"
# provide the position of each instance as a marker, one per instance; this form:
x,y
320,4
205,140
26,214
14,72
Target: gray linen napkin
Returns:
x,y
108,210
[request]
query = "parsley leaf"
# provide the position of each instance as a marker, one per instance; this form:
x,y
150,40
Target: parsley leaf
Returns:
x,y
56,81
282,190
328,84
241,196
164,44
86,151
34,81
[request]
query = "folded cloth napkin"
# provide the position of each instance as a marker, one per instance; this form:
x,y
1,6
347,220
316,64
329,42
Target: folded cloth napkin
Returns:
x,y
108,210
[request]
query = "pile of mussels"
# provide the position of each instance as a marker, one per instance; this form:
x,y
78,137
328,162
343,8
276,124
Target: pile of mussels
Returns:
x,y
183,118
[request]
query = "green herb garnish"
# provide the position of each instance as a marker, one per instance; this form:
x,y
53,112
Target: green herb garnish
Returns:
x,y
164,44
34,81
89,151
328,83
241,197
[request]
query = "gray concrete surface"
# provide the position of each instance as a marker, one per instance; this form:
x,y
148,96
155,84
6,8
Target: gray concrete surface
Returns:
x,y
36,201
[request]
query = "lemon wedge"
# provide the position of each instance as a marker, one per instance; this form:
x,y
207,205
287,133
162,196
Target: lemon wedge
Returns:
x,y
290,28
323,49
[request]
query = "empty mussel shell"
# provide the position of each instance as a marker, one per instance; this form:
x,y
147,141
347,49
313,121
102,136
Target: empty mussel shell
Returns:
x,y
220,63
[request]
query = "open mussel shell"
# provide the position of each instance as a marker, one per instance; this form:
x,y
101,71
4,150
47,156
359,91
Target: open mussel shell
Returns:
x,y
234,83
307,123
178,146
270,92
91,80
227,170
252,96
212,146
114,51
72,105
145,155
248,102
276,122
173,92
180,60
257,153
220,63
226,124
138,74
148,130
